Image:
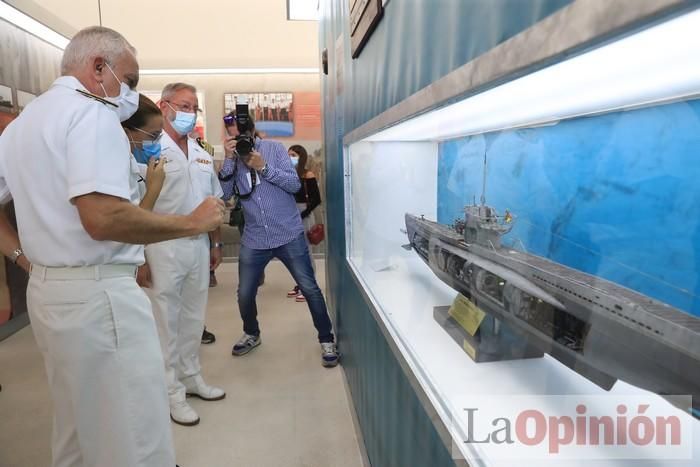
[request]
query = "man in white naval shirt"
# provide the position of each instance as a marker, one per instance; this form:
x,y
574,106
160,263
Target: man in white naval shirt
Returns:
x,y
66,164
180,268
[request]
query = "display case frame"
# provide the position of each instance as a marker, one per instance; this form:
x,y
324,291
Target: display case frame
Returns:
x,y
456,86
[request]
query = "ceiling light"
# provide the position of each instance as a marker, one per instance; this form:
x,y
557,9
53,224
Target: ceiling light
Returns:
x,y
32,26
226,71
302,10
659,64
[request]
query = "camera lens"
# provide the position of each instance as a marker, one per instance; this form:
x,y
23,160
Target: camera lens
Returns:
x,y
244,145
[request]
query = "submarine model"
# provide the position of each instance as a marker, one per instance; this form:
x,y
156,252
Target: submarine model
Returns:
x,y
597,328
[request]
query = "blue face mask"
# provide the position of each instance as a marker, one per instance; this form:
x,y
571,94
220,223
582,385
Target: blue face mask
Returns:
x,y
147,150
295,161
184,122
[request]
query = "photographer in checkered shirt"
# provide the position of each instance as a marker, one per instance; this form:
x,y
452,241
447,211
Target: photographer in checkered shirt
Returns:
x,y
266,181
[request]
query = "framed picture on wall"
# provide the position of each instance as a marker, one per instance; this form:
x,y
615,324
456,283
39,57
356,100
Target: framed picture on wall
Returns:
x,y
273,112
364,17
200,125
7,104
24,98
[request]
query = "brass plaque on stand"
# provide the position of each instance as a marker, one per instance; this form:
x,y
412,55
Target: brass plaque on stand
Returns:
x,y
481,336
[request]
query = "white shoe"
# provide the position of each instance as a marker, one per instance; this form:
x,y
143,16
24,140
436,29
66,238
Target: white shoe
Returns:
x,y
181,412
195,386
329,355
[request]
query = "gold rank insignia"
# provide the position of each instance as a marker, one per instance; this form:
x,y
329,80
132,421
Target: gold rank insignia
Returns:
x,y
206,146
203,161
97,98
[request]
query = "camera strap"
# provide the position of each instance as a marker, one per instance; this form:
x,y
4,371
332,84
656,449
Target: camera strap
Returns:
x,y
253,182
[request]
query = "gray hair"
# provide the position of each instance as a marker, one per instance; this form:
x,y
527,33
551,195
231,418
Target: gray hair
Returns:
x,y
95,41
172,88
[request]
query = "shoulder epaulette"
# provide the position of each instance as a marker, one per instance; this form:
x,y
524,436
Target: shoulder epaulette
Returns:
x,y
206,146
97,98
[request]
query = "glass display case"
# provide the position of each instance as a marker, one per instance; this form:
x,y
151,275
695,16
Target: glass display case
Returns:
x,y
534,253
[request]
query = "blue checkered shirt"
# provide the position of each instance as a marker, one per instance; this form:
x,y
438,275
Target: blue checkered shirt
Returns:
x,y
271,215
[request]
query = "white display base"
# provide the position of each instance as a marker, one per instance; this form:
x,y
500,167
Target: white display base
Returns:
x,y
405,291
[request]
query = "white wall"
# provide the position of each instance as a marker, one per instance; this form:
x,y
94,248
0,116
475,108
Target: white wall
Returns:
x,y
387,181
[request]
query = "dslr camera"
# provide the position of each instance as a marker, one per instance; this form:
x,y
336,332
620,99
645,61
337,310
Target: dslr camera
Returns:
x,y
245,141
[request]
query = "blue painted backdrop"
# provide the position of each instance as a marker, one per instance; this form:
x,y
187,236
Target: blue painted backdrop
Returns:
x,y
616,195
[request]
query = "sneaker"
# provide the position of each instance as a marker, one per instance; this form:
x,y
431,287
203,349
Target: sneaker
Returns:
x,y
212,280
195,386
181,412
208,337
245,344
329,354
294,292
300,298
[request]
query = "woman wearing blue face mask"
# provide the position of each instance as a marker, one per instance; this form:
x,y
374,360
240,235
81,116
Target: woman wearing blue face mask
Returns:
x,y
143,129
308,198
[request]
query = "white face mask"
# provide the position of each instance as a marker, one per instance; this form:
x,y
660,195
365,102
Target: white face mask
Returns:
x,y
127,101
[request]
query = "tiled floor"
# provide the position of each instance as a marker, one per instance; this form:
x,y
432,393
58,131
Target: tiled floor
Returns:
x,y
282,409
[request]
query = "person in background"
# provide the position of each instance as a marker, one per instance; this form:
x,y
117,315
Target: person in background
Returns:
x,y
266,107
266,182
17,277
82,230
180,268
212,274
144,130
237,218
207,336
307,198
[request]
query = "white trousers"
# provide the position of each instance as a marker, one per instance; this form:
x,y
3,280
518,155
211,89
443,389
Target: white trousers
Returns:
x,y
180,277
96,332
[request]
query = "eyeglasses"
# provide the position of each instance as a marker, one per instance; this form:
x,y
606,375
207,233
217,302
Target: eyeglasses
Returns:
x,y
184,107
154,136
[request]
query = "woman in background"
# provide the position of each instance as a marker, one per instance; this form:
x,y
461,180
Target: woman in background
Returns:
x,y
308,198
144,129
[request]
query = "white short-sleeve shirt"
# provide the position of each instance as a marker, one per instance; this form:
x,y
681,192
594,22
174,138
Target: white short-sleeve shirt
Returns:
x,y
65,145
188,180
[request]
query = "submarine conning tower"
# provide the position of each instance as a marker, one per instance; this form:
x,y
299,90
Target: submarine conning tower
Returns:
x,y
483,226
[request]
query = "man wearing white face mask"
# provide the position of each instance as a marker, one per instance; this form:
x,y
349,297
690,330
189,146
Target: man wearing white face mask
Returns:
x,y
180,268
82,230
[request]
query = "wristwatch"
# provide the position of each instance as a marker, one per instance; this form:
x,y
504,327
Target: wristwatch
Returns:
x,y
264,170
217,245
15,255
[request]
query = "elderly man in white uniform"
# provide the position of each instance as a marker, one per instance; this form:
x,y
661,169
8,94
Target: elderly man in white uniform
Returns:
x,y
65,161
180,268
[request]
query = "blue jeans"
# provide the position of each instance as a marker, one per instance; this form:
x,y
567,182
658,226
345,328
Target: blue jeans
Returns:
x,y
296,257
